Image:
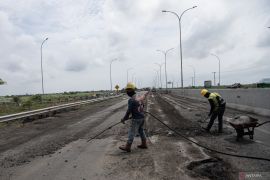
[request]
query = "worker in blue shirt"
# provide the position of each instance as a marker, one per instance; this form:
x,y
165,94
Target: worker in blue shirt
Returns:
x,y
135,109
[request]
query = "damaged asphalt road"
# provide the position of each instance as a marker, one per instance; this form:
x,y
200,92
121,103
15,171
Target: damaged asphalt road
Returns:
x,y
57,147
195,111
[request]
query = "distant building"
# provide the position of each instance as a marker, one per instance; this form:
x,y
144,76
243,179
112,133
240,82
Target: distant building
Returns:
x,y
208,84
265,80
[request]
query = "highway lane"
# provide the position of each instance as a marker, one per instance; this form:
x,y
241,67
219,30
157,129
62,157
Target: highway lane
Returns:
x,y
21,144
64,153
261,134
166,157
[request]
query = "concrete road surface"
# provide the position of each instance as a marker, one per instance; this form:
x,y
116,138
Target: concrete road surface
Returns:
x,y
57,147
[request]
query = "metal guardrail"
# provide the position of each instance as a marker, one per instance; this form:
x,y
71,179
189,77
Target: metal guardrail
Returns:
x,y
51,109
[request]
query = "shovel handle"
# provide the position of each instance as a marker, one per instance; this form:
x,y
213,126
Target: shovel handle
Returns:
x,y
263,123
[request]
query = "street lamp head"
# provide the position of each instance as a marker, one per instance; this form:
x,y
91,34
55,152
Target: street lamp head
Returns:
x,y
194,6
164,11
46,39
169,50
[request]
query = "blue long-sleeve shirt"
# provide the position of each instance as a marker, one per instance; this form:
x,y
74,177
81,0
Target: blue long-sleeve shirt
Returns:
x,y
135,108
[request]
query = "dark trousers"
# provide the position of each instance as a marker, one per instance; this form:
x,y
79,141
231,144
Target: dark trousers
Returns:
x,y
219,113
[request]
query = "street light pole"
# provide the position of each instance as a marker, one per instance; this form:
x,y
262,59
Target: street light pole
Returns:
x,y
127,73
218,67
133,78
165,55
135,82
194,72
160,66
214,78
179,20
111,71
157,71
42,82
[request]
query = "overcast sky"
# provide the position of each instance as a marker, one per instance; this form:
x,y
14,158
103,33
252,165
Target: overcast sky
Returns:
x,y
85,35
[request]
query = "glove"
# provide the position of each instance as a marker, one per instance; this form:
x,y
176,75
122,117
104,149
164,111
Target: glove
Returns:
x,y
123,121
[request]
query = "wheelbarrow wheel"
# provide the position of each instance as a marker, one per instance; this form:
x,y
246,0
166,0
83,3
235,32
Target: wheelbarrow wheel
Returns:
x,y
240,134
251,133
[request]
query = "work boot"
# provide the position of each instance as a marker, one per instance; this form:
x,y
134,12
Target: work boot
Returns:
x,y
126,147
143,145
206,129
220,131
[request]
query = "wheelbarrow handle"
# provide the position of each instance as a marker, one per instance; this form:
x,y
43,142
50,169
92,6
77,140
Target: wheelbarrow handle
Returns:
x,y
262,123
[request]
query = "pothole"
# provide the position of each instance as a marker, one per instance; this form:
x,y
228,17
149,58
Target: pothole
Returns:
x,y
213,168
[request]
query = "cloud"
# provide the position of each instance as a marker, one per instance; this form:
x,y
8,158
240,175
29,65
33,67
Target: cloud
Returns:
x,y
210,35
6,26
264,38
76,65
264,42
84,36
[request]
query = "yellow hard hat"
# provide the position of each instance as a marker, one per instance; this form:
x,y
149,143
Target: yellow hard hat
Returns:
x,y
130,85
204,91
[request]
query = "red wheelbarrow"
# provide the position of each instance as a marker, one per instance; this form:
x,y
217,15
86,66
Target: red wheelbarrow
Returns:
x,y
245,125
